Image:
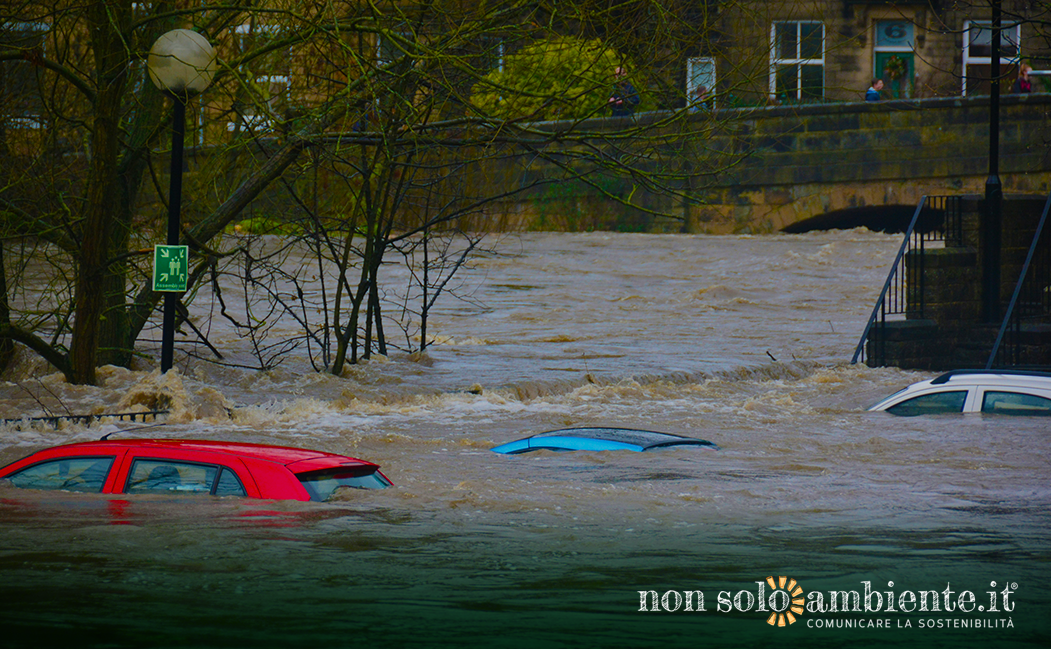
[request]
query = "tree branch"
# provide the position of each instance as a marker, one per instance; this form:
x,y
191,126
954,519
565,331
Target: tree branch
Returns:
x,y
40,346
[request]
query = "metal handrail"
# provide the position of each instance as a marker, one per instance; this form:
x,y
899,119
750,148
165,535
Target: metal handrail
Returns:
x,y
1018,286
905,286
876,310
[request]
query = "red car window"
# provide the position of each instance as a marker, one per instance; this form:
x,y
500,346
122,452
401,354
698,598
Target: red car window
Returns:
x,y
68,473
228,484
322,484
165,476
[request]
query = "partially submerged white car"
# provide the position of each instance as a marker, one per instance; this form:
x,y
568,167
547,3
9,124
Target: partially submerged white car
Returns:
x,y
999,392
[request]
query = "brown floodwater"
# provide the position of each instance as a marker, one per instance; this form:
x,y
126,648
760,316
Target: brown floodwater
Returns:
x,y
744,341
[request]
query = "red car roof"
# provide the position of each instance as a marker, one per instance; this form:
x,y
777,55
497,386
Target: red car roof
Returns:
x,y
285,455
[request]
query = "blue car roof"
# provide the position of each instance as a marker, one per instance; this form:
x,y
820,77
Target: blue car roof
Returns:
x,y
600,439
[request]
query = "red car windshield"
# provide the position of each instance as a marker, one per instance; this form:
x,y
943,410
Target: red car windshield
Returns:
x,y
322,484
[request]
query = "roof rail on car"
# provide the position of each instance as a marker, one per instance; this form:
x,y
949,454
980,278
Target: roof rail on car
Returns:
x,y
944,378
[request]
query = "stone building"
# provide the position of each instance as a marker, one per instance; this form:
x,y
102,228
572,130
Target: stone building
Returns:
x,y
773,51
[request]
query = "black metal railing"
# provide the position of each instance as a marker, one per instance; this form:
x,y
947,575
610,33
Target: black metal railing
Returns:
x,y
55,420
937,218
1031,298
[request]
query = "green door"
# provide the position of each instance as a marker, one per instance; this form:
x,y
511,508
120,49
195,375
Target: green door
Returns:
x,y
897,71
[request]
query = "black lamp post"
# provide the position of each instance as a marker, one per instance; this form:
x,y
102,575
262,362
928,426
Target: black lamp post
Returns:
x,y
182,64
994,194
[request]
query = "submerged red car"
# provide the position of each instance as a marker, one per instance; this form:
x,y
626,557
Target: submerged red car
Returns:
x,y
176,466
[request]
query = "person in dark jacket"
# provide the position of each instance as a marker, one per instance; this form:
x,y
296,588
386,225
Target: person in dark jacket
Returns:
x,y
872,94
1023,84
624,98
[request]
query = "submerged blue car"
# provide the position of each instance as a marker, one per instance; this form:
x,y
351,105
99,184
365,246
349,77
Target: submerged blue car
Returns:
x,y
600,439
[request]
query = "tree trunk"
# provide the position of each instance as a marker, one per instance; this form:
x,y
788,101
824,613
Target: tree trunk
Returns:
x,y
106,21
7,346
117,340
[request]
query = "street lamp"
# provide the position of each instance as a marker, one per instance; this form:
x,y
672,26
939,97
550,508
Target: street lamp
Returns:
x,y
994,193
181,63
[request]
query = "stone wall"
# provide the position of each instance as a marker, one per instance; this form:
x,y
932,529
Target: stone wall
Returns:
x,y
807,161
754,170
763,169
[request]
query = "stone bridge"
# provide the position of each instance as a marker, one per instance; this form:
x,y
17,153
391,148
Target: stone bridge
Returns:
x,y
825,165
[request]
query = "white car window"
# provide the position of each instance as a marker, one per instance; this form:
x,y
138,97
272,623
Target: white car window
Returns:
x,y
931,404
1015,403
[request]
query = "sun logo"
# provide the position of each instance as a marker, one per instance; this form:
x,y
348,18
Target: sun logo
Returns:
x,y
786,600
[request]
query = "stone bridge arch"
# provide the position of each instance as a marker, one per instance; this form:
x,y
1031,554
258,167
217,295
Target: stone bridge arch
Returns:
x,y
878,218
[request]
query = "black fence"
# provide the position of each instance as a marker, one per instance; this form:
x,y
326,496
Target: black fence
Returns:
x,y
55,420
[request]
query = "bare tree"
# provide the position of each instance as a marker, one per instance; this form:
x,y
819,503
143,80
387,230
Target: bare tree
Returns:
x,y
375,100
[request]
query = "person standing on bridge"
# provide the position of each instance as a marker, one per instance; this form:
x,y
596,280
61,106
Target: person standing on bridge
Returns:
x,y
1023,84
624,99
872,94
701,98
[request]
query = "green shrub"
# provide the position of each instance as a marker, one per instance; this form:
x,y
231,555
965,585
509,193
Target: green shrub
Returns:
x,y
563,78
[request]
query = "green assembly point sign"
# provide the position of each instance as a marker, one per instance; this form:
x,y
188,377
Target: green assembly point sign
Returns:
x,y
170,268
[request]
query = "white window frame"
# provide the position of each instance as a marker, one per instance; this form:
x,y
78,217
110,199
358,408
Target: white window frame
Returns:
x,y
695,74
264,120
969,60
776,62
27,121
